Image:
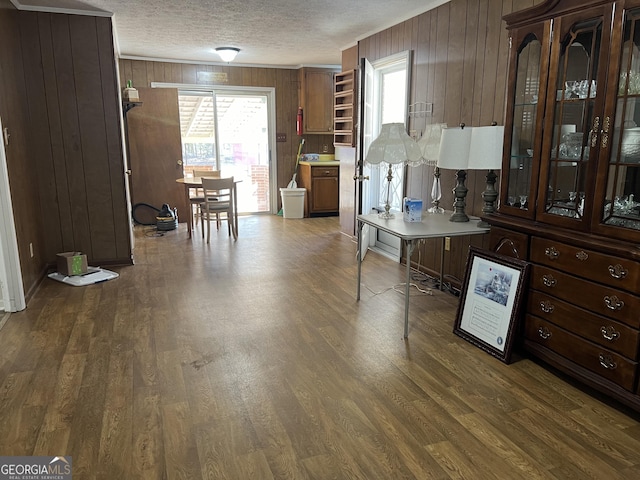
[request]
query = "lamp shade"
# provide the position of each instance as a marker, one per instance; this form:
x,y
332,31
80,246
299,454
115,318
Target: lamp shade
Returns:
x,y
393,146
485,150
454,148
473,148
429,143
227,54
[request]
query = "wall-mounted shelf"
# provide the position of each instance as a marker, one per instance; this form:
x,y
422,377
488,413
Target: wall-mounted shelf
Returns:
x,y
344,109
127,105
420,109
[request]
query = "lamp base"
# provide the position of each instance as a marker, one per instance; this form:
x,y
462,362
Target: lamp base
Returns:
x,y
459,192
459,217
489,196
436,208
436,194
387,207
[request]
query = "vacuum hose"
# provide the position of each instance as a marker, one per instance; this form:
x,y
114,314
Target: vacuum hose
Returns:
x,y
146,206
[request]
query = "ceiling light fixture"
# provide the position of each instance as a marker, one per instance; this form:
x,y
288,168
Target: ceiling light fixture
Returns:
x,y
227,54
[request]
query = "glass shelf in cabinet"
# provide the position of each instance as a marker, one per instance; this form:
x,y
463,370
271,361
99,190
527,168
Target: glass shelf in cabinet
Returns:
x,y
622,95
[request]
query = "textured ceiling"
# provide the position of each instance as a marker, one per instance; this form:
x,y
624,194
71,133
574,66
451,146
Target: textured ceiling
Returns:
x,y
288,33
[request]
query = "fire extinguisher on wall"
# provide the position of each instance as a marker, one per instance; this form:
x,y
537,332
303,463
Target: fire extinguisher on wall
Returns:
x,y
299,122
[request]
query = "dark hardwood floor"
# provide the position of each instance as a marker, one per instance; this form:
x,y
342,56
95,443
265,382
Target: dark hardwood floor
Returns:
x,y
253,360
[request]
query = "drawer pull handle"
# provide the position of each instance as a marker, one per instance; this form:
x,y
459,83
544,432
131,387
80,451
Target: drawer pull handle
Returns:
x,y
544,333
549,281
607,362
582,255
546,306
552,253
618,271
609,333
613,302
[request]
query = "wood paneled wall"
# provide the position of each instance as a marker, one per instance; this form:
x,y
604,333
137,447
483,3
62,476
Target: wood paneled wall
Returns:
x,y
285,82
59,99
460,53
72,98
21,164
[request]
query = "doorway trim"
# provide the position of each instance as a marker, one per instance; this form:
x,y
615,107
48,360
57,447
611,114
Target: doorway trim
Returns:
x,y
270,93
371,116
11,286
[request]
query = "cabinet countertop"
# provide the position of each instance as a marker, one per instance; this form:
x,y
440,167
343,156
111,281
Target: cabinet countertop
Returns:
x,y
332,163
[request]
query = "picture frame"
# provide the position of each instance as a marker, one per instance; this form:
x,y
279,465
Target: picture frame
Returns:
x,y
491,301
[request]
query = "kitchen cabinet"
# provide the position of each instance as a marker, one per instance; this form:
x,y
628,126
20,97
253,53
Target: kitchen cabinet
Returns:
x,y
569,183
344,109
321,179
316,100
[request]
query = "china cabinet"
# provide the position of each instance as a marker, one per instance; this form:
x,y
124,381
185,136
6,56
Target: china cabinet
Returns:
x,y
570,186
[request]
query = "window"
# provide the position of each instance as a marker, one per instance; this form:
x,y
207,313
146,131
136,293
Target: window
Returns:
x,y
387,100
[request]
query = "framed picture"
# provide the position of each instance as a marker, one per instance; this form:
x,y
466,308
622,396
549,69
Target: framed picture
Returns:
x,y
490,301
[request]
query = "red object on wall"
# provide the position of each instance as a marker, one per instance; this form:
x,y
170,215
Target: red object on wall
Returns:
x,y
299,122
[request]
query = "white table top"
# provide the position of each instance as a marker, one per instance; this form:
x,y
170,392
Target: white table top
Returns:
x,y
433,225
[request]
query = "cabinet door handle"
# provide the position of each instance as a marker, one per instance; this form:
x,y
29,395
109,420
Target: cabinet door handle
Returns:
x,y
613,302
546,306
607,362
594,132
544,333
549,281
582,255
618,271
552,253
605,132
609,333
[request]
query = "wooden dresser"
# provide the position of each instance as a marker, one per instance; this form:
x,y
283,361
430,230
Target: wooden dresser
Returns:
x,y
569,180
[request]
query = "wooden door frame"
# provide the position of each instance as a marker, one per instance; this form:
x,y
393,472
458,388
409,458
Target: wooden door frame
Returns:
x,y
270,93
12,289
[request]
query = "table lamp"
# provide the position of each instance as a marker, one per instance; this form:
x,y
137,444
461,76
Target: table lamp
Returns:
x,y
454,155
429,145
395,147
485,153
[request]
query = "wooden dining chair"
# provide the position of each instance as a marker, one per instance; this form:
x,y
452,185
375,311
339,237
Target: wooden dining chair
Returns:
x,y
196,196
218,204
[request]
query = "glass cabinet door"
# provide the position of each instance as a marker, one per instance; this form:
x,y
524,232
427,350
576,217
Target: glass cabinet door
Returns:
x,y
522,143
621,204
572,125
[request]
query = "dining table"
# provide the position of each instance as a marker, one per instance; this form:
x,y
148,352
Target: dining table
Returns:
x,y
196,182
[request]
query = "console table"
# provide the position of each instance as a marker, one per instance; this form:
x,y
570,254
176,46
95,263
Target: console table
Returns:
x,y
431,226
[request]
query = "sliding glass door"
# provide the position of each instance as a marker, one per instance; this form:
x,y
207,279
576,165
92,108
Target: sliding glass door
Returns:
x,y
228,130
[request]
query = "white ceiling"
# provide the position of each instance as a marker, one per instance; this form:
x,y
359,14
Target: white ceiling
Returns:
x,y
287,33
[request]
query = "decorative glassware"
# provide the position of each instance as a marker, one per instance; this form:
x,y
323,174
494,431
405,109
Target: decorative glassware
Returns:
x,y
523,202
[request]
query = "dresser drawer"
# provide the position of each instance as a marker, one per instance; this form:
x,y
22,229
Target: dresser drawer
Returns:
x,y
325,171
601,299
599,360
601,330
614,271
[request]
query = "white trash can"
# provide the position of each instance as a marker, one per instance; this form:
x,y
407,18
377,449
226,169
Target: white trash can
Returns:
x,y
292,202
